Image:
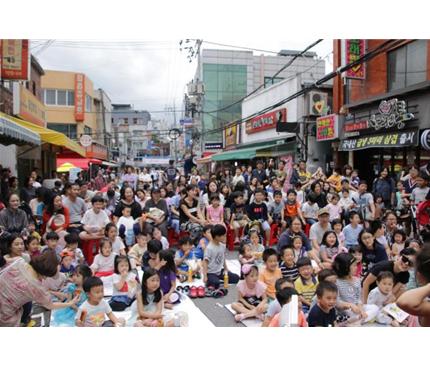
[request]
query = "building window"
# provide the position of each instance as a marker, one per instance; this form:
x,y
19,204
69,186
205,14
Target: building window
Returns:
x,y
70,130
87,103
87,130
61,97
407,65
70,97
55,97
50,97
125,120
268,81
135,120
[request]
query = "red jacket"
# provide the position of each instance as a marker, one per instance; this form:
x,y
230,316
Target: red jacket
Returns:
x,y
53,226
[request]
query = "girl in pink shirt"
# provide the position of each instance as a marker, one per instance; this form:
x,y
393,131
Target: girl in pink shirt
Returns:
x,y
215,212
252,299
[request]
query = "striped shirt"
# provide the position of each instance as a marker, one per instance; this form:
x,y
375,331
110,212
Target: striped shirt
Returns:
x,y
349,291
290,273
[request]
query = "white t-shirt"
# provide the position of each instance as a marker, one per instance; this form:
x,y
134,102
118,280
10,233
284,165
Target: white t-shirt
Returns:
x,y
95,220
310,211
103,263
95,314
317,232
376,297
128,223
129,289
117,245
165,243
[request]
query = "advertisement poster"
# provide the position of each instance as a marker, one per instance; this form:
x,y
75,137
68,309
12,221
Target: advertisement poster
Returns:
x,y
14,59
79,97
327,128
355,49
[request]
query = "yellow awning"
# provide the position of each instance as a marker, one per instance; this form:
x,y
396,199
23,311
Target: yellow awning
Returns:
x,y
52,136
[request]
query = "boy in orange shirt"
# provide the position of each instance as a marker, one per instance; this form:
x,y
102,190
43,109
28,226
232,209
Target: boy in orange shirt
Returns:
x,y
271,272
292,208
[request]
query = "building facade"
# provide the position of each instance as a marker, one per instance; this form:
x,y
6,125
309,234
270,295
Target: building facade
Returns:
x,y
385,112
229,75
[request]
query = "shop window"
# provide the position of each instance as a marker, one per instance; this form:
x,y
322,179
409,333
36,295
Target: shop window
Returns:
x,y
407,65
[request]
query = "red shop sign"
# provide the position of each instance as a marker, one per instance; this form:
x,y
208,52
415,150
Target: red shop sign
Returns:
x,y
265,122
79,97
356,126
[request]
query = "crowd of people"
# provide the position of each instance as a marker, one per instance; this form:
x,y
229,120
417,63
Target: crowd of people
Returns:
x,y
328,250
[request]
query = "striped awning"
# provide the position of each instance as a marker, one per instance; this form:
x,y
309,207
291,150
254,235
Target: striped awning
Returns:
x,y
12,133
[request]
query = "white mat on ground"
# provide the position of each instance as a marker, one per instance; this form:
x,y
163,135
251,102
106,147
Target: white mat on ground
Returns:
x,y
249,322
196,318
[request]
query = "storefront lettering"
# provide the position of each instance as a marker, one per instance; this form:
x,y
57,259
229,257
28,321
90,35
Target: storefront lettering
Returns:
x,y
391,113
264,122
384,140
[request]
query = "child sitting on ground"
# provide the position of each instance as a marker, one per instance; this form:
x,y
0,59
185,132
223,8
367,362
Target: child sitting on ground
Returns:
x,y
138,250
274,307
257,211
167,273
124,284
215,211
52,239
125,226
329,248
67,263
94,220
292,208
299,248
33,246
111,232
186,259
287,264
151,257
284,298
323,314
310,209
66,316
334,208
383,295
306,283
150,304
55,285
399,238
324,275
357,253
239,219
157,235
93,312
252,299
246,256
72,241
214,263
199,250
256,247
103,264
271,272
337,228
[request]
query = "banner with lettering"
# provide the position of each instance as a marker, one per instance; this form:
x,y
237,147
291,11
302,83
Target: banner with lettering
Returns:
x,y
327,127
400,139
355,49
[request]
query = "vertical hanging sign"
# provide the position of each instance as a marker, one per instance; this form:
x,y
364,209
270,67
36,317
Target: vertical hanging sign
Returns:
x,y
355,49
79,97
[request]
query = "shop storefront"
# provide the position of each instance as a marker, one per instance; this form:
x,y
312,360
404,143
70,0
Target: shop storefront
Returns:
x,y
386,133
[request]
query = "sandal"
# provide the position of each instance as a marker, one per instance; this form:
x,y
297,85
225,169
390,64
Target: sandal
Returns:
x,y
193,292
186,289
201,292
209,292
223,290
179,289
217,294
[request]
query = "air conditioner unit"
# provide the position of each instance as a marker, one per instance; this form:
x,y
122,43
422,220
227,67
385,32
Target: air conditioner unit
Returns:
x,y
318,103
193,100
200,88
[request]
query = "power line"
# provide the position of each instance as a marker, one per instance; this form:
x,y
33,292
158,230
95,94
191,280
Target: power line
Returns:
x,y
368,56
289,63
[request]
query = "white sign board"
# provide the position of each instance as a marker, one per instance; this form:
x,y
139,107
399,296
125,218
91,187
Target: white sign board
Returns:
x,y
85,140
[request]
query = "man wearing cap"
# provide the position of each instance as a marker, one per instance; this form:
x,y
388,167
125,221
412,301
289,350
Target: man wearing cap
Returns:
x,y
317,232
157,202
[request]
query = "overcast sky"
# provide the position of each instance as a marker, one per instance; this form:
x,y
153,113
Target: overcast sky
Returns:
x,y
151,74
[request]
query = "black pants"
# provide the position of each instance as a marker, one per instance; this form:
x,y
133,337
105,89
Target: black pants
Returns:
x,y
216,280
118,306
26,313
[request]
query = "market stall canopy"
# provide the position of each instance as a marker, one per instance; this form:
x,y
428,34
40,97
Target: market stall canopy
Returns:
x,y
65,168
12,133
240,154
51,136
82,163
